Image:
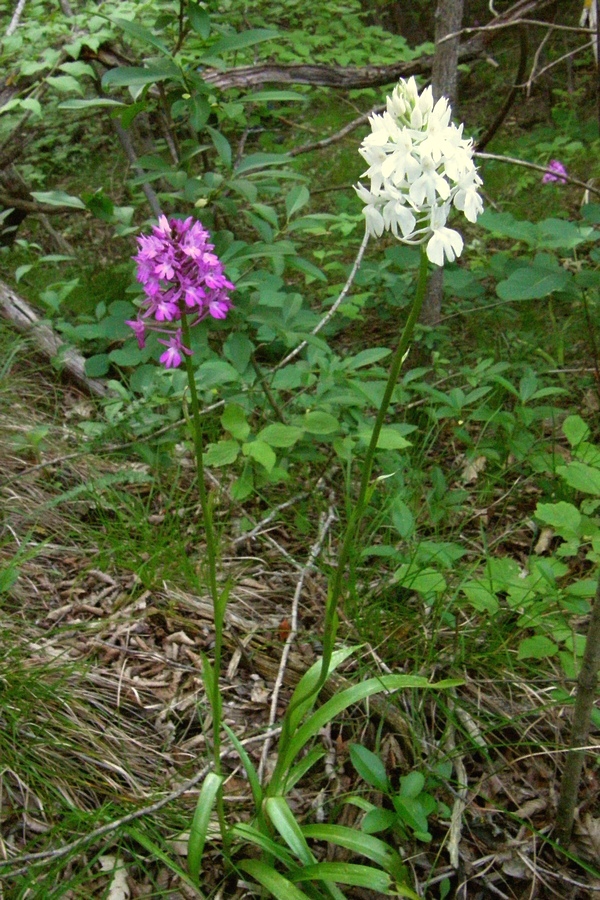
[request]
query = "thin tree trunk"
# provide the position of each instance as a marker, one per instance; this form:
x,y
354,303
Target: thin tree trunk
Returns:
x,y
444,79
584,703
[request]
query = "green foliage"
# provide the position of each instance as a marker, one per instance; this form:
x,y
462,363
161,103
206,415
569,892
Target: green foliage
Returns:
x,y
473,449
410,806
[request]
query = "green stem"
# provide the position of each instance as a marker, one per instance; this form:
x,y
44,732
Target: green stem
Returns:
x,y
211,557
337,583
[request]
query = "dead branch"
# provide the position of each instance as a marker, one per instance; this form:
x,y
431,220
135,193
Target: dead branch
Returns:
x,y
14,22
512,94
25,320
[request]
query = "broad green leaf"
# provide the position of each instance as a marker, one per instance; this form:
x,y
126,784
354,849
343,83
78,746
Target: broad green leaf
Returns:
x,y
279,435
129,355
377,820
77,68
221,454
21,271
537,647
97,366
88,104
199,19
411,785
33,105
366,357
222,145
200,823
267,213
271,96
575,430
389,438
423,580
58,198
561,233
242,40
279,886
138,76
285,822
581,477
296,199
505,225
369,767
132,29
306,267
481,597
64,83
260,452
532,283
257,161
214,373
562,516
319,423
234,421
238,349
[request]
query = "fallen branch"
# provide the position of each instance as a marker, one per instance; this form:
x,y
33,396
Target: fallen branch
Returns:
x,y
25,320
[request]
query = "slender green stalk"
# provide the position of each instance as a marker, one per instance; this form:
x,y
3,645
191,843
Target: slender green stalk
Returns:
x,y
587,684
337,582
218,600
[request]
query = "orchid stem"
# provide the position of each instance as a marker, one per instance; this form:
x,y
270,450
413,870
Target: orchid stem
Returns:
x,y
211,557
335,591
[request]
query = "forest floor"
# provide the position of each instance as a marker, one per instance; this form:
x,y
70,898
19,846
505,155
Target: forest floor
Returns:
x,y
105,731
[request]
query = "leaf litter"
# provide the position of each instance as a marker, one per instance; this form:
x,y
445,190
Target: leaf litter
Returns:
x,y
103,695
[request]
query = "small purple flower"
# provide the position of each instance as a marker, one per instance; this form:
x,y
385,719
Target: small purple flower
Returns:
x,y
139,329
173,355
555,172
179,273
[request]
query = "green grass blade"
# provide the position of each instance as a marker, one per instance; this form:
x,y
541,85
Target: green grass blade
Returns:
x,y
254,836
200,823
305,764
362,844
249,768
284,821
347,873
309,681
159,854
342,701
279,886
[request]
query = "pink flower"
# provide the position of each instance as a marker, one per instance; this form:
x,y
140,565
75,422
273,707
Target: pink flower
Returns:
x,y
179,273
173,355
555,172
139,329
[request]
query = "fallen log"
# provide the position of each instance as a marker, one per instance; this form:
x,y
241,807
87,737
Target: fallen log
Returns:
x,y
46,341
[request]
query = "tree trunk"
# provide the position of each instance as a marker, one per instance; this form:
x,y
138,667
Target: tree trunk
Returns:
x,y
444,77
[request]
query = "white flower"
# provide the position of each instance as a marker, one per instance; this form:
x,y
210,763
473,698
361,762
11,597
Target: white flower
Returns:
x,y
420,167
